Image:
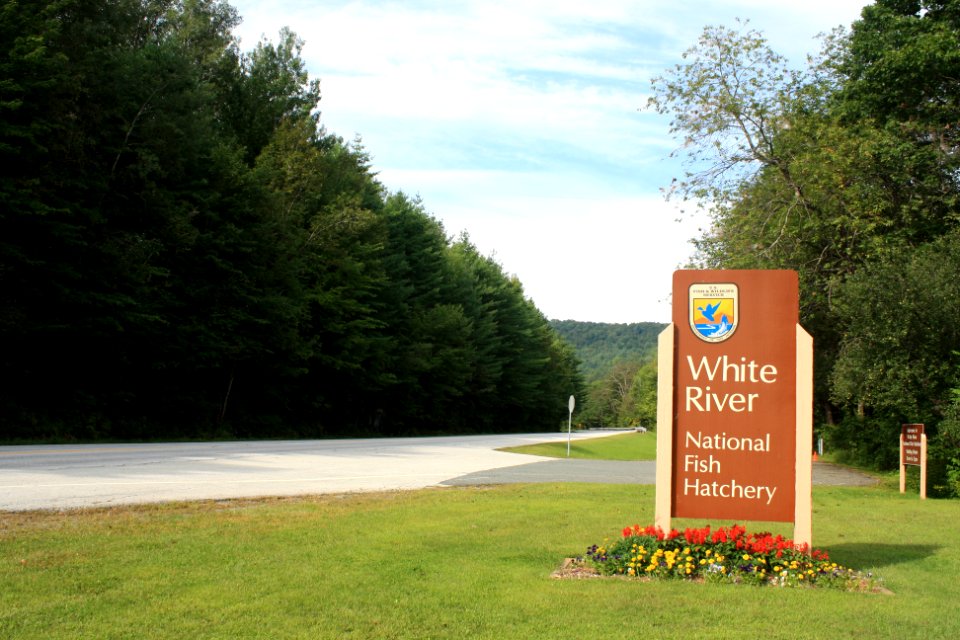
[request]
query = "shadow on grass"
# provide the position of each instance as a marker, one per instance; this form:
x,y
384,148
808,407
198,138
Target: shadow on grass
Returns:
x,y
868,554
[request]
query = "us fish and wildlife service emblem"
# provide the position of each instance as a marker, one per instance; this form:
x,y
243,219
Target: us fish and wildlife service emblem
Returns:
x,y
714,310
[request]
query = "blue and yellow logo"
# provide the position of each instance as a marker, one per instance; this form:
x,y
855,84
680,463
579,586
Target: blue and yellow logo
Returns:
x,y
714,310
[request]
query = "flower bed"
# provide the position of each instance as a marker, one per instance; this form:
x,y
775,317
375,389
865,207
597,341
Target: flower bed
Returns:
x,y
727,554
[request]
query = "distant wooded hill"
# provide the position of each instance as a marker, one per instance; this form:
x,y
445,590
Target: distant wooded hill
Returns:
x,y
599,345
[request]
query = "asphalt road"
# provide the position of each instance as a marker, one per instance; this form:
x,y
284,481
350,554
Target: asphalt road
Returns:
x,y
65,476
59,477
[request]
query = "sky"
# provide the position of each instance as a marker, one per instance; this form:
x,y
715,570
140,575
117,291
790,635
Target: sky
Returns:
x,y
523,124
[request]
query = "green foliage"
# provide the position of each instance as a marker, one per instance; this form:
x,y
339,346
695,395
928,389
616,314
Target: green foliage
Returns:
x,y
610,355
601,407
900,65
865,441
899,349
727,102
846,172
625,397
599,344
186,252
945,449
640,405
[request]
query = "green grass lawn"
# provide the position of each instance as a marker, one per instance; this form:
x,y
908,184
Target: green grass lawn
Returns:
x,y
449,563
626,446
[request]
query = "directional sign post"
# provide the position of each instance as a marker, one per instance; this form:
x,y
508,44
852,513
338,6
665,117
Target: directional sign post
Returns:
x,y
913,451
570,404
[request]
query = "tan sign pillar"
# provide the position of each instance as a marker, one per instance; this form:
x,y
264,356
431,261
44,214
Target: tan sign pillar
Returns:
x,y
735,401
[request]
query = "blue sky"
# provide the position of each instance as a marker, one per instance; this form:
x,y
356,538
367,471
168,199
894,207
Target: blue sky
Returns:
x,y
522,123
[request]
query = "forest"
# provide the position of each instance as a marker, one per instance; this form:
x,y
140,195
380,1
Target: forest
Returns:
x,y
599,345
619,367
186,251
846,170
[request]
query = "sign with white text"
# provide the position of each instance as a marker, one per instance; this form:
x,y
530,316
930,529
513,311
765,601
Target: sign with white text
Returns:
x,y
910,441
913,452
733,447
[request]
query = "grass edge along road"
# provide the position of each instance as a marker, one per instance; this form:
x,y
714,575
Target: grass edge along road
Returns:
x,y
625,446
470,562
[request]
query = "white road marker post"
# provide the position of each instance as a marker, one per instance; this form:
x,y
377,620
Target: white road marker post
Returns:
x,y
570,404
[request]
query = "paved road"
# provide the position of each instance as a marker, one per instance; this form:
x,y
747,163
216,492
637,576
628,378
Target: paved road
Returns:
x,y
63,476
56,477
615,472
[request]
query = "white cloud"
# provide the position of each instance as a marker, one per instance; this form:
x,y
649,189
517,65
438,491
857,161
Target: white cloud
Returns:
x,y
519,121
581,253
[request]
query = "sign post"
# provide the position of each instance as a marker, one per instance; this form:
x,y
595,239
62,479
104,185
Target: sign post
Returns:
x,y
570,404
735,401
913,451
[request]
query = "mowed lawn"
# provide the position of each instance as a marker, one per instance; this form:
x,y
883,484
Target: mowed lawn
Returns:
x,y
471,562
625,446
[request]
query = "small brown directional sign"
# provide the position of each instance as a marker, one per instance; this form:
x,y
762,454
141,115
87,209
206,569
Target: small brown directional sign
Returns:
x,y
910,442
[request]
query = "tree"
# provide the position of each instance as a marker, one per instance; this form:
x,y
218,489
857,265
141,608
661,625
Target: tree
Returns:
x,y
609,401
599,345
900,65
848,174
727,104
900,354
124,145
640,406
266,87
186,252
752,129
817,191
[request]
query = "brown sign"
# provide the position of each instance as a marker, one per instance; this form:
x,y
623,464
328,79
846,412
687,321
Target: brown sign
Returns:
x,y
911,436
734,426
